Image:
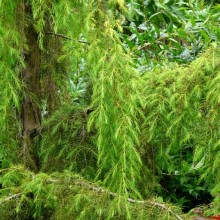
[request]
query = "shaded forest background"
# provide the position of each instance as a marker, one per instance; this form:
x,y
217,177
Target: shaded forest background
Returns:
x,y
109,109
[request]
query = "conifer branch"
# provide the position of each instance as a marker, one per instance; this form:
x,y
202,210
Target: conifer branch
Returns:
x,y
90,186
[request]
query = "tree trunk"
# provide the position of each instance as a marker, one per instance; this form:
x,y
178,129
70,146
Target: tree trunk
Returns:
x,y
30,110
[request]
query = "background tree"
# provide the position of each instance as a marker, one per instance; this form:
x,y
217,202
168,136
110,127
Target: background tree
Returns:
x,y
174,31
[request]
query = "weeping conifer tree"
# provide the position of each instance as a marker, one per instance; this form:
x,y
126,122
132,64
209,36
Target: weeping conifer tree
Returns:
x,y
72,111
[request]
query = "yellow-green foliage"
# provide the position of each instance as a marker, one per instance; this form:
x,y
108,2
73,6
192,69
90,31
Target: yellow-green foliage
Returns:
x,y
11,64
115,102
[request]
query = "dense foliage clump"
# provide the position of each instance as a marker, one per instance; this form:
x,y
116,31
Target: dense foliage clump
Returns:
x,y
182,123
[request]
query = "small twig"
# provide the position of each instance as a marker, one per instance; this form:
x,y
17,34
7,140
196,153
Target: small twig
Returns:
x,y
10,198
3,170
83,42
65,37
9,168
58,35
166,208
171,174
144,46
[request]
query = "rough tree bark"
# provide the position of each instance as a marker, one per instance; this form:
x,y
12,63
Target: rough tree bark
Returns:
x,y
31,80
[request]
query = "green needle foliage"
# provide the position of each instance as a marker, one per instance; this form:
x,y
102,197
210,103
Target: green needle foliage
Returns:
x,y
10,65
115,102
